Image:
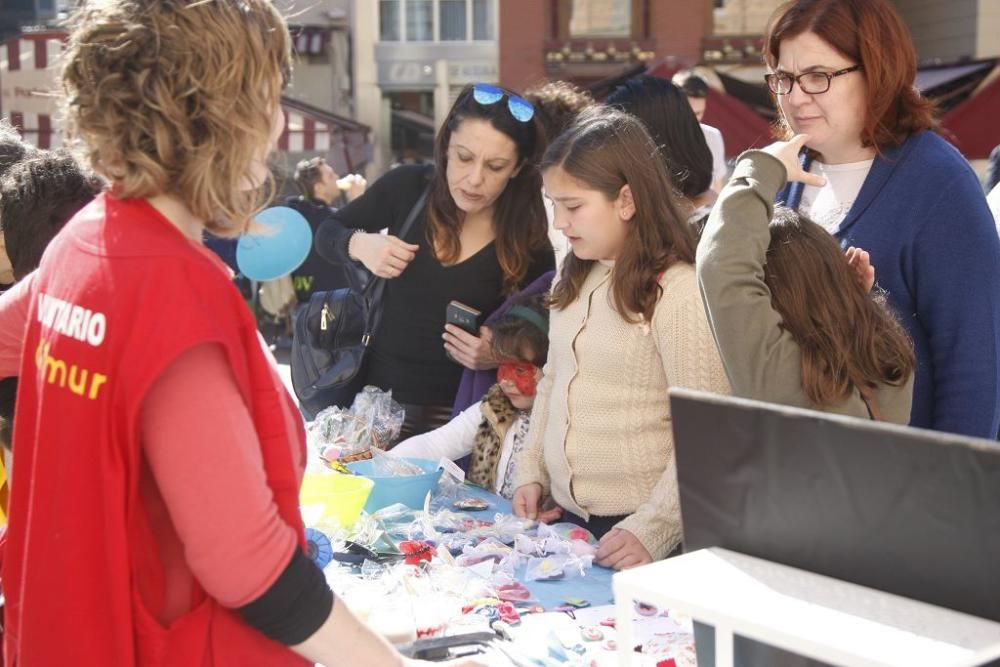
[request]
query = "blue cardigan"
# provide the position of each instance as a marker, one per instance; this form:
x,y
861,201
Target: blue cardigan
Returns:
x,y
922,216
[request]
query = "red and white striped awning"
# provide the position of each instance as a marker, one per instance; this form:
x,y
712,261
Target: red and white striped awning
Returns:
x,y
28,82
304,133
28,72
309,129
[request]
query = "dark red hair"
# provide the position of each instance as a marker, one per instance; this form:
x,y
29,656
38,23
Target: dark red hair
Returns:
x,y
872,34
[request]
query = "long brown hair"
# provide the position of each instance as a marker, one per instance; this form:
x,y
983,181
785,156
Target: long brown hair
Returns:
x,y
519,220
606,149
872,34
849,338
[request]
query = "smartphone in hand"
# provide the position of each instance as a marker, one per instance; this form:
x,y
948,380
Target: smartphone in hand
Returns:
x,y
464,317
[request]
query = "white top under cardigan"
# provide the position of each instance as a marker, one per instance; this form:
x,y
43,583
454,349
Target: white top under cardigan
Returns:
x,y
829,204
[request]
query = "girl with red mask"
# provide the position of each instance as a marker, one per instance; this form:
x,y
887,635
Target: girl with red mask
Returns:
x,y
493,430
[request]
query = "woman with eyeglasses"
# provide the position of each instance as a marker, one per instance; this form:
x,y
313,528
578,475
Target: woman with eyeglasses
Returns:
x,y
842,72
480,237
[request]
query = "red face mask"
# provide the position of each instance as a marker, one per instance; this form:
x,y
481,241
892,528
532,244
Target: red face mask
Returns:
x,y
519,373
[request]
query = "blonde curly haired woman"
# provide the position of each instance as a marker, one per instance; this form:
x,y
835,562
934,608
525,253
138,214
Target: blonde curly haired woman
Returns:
x,y
141,531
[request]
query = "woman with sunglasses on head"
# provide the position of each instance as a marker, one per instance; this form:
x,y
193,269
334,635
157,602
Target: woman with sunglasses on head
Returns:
x,y
842,72
480,237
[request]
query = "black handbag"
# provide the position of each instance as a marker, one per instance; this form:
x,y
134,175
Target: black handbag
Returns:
x,y
331,338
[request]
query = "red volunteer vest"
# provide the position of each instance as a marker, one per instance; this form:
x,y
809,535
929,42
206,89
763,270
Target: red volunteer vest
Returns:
x,y
121,294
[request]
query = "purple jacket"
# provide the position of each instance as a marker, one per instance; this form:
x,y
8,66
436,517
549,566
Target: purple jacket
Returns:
x,y
475,384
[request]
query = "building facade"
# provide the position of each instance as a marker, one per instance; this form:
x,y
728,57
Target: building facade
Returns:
x,y
952,30
29,98
589,41
742,17
321,38
412,57
944,31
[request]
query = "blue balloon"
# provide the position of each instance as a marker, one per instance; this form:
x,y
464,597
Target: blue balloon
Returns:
x,y
277,247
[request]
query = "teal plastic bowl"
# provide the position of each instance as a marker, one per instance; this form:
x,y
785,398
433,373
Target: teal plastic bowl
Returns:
x,y
410,490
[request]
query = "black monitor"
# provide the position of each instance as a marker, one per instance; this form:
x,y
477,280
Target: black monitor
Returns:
x,y
903,510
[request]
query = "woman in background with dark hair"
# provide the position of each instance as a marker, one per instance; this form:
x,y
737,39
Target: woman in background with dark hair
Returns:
x,y
664,110
481,236
842,72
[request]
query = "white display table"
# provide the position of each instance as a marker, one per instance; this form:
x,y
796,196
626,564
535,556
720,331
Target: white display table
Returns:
x,y
811,615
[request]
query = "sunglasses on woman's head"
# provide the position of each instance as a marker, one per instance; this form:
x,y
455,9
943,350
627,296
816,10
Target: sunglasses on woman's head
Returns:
x,y
487,94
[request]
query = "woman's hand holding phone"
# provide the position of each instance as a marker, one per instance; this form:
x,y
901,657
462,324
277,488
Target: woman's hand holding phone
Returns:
x,y
473,352
383,254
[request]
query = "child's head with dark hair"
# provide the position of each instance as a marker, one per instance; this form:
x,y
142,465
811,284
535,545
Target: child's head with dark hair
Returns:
x,y
521,343
37,197
523,331
12,147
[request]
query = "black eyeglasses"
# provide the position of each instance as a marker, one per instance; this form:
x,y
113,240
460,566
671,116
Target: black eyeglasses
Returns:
x,y
811,83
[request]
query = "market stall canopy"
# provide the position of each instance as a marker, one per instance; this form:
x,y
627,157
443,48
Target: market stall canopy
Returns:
x,y
308,129
974,126
753,94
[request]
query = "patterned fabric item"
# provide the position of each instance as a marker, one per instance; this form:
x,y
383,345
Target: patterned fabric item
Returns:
x,y
507,488
498,415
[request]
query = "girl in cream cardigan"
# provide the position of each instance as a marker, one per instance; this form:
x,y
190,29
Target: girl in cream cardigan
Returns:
x,y
626,324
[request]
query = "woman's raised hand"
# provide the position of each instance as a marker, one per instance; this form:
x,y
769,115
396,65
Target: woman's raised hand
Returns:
x,y
788,153
384,255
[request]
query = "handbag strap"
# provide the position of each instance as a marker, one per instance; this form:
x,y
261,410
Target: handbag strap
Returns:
x,y
375,288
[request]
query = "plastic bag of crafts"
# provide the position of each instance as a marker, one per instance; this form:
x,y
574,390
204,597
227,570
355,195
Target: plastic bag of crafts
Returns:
x,y
382,416
451,487
506,527
504,558
566,538
396,513
558,566
387,465
372,422
507,588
